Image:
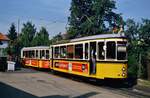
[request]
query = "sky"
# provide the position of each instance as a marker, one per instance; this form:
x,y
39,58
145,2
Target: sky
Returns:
x,y
53,14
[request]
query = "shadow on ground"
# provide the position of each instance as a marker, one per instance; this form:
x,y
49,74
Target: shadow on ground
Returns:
x,y
7,91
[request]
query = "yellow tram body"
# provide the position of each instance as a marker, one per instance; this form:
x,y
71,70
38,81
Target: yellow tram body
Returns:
x,y
76,57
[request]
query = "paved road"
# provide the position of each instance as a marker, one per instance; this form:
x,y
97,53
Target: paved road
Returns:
x,y
29,83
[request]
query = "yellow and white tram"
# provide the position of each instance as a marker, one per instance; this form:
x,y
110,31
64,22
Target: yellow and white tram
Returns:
x,y
98,56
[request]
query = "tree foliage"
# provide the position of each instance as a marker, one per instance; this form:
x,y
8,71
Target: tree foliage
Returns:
x,y
41,38
27,35
12,34
138,35
89,17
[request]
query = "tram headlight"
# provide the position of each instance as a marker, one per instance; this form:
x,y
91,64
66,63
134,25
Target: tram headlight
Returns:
x,y
123,69
123,74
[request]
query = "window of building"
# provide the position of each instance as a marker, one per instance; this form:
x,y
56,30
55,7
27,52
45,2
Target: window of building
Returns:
x,y
86,51
63,52
79,51
70,51
111,50
47,54
101,51
121,50
56,52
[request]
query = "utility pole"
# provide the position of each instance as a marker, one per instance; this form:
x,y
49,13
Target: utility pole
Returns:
x,y
18,27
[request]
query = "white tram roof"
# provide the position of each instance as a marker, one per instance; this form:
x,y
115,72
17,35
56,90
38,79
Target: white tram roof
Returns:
x,y
36,47
98,37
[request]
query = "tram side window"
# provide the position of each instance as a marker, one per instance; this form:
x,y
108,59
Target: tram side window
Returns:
x,y
79,51
43,54
86,50
40,54
70,51
27,54
30,54
36,53
24,54
111,50
121,50
47,54
63,52
56,52
101,52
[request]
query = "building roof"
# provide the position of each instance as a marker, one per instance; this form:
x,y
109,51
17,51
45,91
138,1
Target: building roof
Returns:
x,y
3,37
99,36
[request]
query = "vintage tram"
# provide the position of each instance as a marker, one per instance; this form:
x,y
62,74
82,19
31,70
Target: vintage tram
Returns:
x,y
99,56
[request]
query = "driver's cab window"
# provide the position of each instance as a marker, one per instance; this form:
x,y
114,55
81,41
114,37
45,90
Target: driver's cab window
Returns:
x,y
121,50
111,50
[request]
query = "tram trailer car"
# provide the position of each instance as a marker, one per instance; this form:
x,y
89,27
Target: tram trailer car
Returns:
x,y
99,56
36,56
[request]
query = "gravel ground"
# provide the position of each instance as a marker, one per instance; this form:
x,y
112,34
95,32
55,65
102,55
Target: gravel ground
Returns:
x,y
29,83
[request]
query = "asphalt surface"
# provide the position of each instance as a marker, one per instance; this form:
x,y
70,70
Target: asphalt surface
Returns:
x,y
30,83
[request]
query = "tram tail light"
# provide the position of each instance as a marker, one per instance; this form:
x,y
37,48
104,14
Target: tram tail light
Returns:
x,y
83,66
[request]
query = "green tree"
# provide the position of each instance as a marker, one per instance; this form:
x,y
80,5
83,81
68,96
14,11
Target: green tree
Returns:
x,y
56,38
41,38
133,36
143,43
12,46
89,17
12,34
138,35
27,34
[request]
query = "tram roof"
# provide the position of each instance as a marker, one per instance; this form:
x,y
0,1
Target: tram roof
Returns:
x,y
98,37
36,47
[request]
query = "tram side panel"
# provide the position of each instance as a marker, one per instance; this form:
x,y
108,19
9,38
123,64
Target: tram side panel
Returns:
x,y
73,67
44,63
31,62
103,69
39,63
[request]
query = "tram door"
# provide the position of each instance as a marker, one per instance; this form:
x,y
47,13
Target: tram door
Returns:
x,y
92,57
